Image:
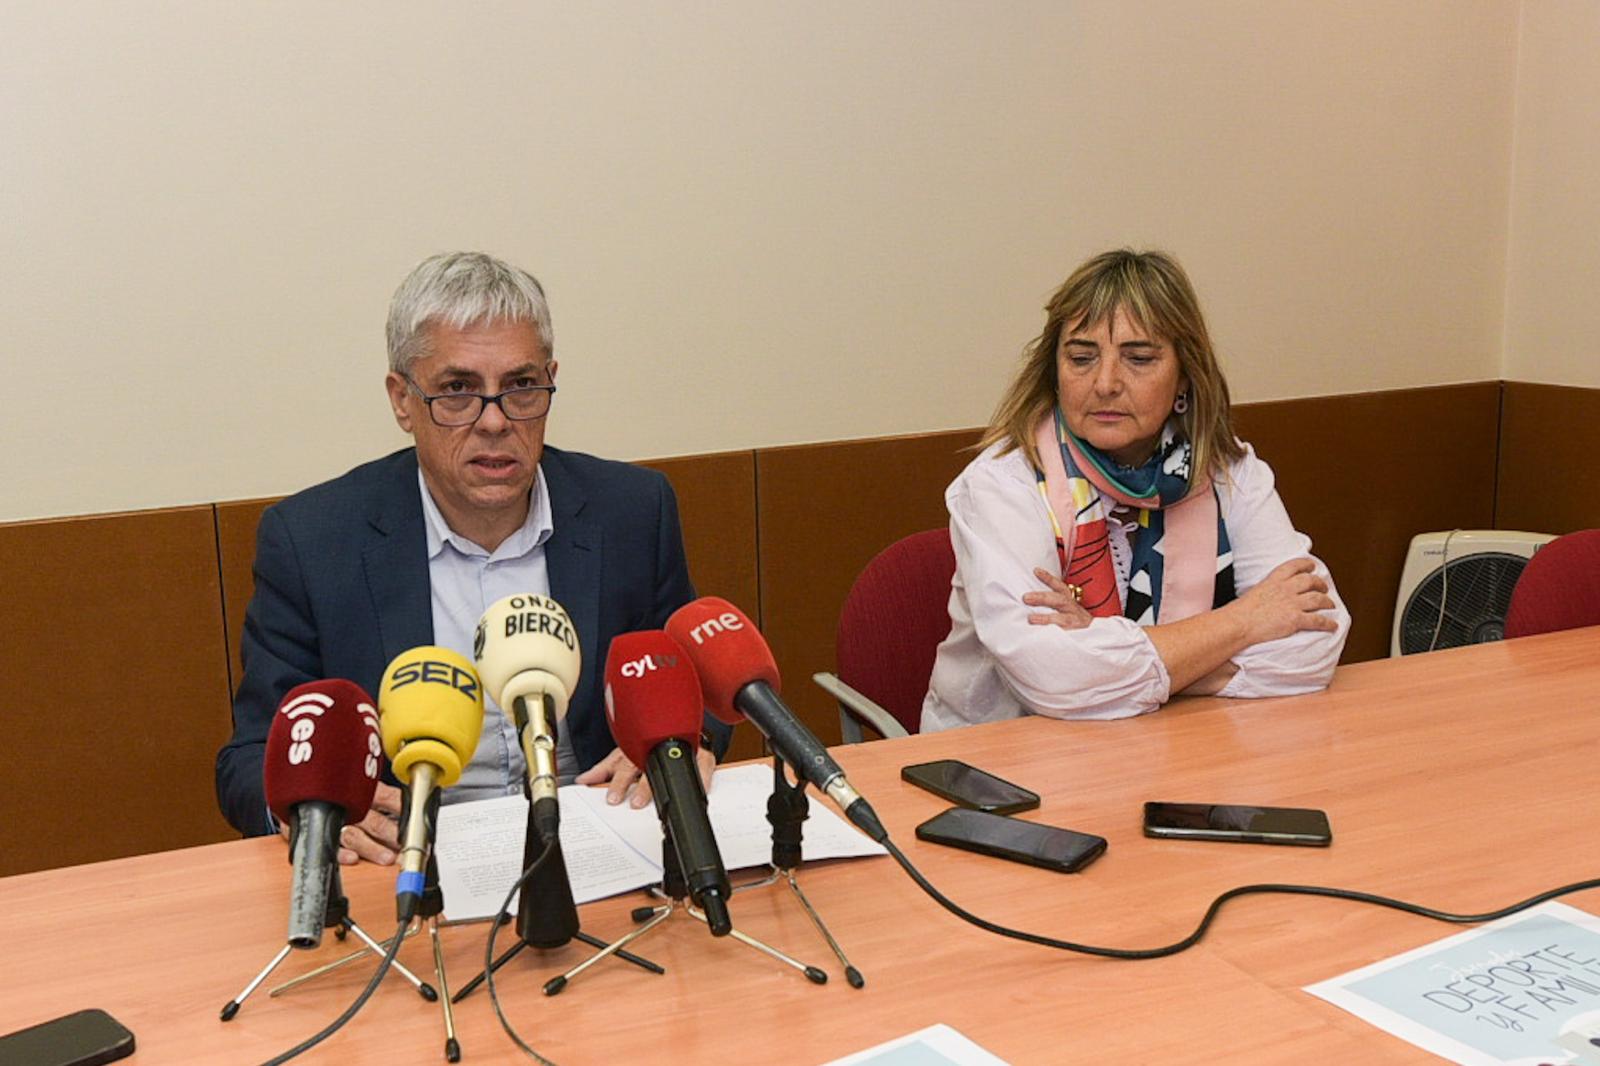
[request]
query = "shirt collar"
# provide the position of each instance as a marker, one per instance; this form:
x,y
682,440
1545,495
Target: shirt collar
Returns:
x,y
535,530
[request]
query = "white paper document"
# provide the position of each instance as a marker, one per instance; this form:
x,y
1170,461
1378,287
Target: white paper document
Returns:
x,y
937,1045
614,849
1521,991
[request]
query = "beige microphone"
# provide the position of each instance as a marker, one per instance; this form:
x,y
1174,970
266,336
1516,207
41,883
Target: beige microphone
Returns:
x,y
527,654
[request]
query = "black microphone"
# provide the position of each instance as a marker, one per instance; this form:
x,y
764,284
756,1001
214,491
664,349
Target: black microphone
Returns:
x,y
654,707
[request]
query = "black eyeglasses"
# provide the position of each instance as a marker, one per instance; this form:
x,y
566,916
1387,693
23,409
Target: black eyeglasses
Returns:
x,y
452,409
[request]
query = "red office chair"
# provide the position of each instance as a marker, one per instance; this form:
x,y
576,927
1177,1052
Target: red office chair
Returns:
x,y
1559,588
896,615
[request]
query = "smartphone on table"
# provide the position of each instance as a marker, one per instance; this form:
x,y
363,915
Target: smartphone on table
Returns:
x,y
84,1038
1063,850
968,786
1253,825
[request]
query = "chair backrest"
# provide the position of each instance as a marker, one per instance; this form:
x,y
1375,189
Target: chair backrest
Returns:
x,y
1559,588
892,622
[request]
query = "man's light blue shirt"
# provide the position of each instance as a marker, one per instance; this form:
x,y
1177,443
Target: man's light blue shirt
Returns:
x,y
465,579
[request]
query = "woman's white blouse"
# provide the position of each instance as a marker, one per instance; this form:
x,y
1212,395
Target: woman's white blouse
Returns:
x,y
996,665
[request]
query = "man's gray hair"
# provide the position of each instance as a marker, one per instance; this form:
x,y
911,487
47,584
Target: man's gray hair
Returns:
x,y
462,289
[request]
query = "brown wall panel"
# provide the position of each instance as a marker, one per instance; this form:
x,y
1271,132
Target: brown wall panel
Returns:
x,y
824,511
117,690
717,505
1549,476
1362,474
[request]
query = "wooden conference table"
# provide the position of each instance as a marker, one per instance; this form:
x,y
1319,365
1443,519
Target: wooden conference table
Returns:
x,y
1463,779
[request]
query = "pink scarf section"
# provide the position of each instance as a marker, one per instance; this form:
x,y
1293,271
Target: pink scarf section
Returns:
x,y
1188,543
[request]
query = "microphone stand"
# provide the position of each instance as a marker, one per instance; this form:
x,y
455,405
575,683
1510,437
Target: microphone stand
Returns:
x,y
336,916
787,810
429,908
547,917
674,891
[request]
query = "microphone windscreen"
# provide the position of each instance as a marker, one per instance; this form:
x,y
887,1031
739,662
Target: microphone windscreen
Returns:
x,y
652,694
323,745
430,710
727,650
528,642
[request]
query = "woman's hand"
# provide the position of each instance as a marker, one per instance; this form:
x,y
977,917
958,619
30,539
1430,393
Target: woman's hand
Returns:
x,y
1060,601
1289,599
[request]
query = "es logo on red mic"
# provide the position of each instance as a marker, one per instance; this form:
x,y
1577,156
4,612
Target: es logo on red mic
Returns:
x,y
303,712
369,715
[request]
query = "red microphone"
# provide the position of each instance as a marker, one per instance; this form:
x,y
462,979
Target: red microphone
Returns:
x,y
320,772
654,706
741,681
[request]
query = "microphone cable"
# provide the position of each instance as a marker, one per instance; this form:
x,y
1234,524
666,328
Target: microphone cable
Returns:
x,y
502,917
1216,905
350,1012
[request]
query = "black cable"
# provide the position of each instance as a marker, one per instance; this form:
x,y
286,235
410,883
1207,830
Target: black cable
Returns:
x,y
1216,905
500,919
350,1012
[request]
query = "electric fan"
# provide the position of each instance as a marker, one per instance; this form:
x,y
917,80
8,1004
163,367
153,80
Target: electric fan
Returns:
x,y
1456,587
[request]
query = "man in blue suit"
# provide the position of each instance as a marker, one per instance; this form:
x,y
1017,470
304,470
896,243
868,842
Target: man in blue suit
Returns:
x,y
411,548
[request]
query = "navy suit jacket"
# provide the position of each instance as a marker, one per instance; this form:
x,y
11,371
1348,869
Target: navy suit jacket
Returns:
x,y
341,588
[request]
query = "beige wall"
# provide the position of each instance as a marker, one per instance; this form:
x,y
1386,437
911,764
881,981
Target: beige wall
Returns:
x,y
1553,274
758,224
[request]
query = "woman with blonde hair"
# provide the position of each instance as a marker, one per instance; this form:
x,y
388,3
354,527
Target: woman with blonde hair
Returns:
x,y
1115,543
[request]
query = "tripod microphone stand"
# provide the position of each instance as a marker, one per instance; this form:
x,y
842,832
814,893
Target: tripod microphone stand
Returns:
x,y
547,917
674,892
336,916
787,810
430,905
431,908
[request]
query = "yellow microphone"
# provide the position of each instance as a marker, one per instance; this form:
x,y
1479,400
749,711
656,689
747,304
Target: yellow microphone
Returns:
x,y
527,651
430,713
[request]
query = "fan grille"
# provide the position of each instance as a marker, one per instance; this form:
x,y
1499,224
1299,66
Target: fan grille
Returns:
x,y
1480,594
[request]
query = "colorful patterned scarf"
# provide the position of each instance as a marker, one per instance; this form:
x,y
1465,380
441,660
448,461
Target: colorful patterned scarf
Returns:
x,y
1182,562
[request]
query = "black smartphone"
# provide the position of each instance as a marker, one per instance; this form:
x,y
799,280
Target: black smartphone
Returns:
x,y
85,1038
1011,838
1254,825
969,786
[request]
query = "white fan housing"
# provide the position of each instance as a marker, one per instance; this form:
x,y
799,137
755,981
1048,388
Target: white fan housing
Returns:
x,y
1474,586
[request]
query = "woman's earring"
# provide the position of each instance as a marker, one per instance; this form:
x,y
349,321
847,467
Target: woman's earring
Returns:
x,y
1181,404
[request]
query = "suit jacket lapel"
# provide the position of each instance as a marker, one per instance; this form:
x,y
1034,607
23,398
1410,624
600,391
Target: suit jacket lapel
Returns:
x,y
396,561
572,557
